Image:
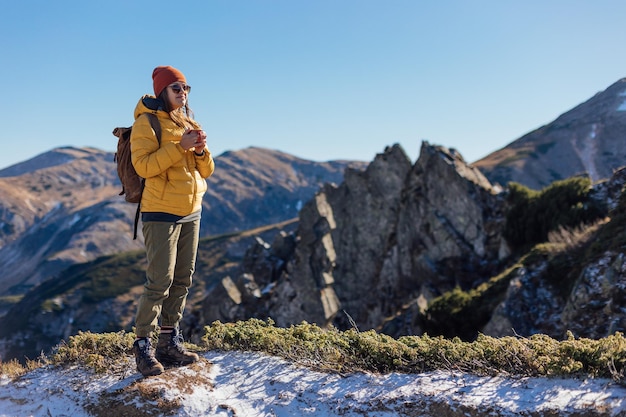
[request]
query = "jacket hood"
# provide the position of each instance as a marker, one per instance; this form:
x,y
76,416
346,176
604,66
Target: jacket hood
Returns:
x,y
148,104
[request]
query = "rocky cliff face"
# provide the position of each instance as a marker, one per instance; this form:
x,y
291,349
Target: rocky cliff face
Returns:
x,y
587,139
389,237
594,308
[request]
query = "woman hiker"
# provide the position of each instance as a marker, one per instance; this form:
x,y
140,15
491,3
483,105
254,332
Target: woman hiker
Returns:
x,y
175,171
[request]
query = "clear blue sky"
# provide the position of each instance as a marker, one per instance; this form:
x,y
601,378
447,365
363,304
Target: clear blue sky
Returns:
x,y
319,79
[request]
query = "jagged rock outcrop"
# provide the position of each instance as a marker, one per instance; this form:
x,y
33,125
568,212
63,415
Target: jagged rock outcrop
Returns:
x,y
587,139
531,305
385,238
594,308
345,234
598,297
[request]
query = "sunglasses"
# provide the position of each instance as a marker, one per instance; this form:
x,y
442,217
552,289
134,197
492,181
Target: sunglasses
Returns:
x,y
177,88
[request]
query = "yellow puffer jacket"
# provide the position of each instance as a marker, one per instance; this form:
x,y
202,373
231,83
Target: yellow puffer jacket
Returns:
x,y
175,178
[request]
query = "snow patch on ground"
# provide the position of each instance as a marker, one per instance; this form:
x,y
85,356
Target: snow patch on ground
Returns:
x,y
622,106
588,152
252,384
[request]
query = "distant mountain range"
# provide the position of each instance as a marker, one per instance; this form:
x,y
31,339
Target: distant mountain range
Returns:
x,y
62,207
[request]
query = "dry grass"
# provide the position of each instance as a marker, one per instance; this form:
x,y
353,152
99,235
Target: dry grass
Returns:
x,y
571,238
353,351
14,369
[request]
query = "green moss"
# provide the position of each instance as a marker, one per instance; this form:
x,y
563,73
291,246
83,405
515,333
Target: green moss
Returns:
x,y
102,352
612,236
532,215
460,313
353,351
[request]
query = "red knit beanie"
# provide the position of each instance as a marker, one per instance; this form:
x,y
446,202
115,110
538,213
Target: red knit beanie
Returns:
x,y
165,75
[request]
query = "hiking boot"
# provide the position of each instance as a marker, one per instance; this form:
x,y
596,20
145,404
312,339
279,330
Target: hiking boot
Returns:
x,y
144,357
170,350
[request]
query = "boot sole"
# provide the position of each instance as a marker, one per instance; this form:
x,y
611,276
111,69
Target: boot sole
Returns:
x,y
166,362
154,372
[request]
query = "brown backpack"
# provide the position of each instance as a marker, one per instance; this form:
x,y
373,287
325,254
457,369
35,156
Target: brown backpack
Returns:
x,y
132,183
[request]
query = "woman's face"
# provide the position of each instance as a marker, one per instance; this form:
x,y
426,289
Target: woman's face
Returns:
x,y
177,94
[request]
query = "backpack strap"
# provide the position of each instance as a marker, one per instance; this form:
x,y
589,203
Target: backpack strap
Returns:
x,y
156,126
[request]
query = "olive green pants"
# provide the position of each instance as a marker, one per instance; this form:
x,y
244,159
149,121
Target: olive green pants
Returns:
x,y
171,254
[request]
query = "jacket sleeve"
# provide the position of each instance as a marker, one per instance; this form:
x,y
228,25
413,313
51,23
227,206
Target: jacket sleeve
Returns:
x,y
148,158
205,164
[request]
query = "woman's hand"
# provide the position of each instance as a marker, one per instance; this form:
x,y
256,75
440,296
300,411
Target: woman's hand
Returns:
x,y
193,140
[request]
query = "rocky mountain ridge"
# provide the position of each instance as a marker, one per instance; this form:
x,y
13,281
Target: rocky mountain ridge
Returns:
x,y
588,139
63,208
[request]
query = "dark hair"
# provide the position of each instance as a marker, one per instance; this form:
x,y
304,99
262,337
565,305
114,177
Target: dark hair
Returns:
x,y
182,116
